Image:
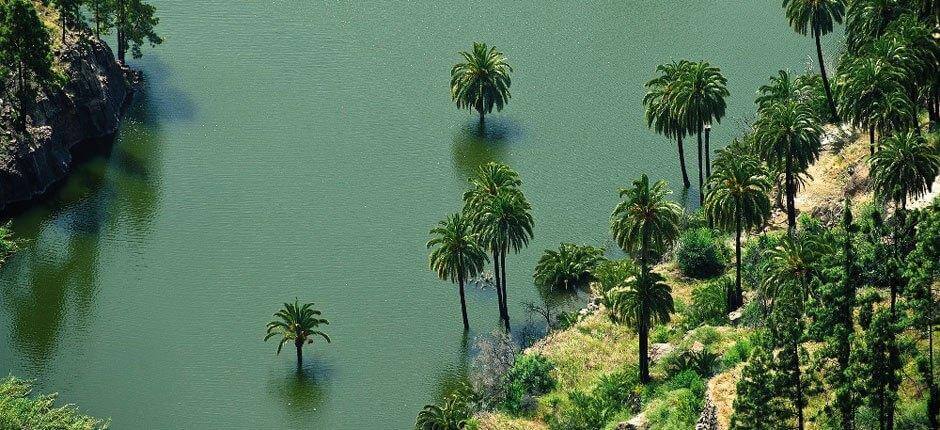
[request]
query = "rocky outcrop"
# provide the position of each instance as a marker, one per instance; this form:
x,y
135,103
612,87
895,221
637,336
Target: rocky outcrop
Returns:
x,y
87,108
708,420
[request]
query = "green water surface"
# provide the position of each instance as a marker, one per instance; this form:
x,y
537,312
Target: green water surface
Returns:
x,y
288,148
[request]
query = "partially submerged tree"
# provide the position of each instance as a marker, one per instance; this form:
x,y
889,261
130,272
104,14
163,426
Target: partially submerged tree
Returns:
x,y
297,323
481,81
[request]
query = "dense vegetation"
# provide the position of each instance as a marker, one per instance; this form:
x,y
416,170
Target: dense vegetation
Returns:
x,y
825,323
19,409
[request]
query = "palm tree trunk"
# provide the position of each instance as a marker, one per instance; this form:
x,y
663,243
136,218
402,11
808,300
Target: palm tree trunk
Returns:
x,y
300,353
502,267
463,303
871,140
499,288
701,182
799,388
825,77
643,331
737,300
685,175
708,156
791,201
481,116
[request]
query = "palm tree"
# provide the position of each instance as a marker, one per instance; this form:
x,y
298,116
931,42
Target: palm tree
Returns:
x,y
871,94
505,223
451,415
645,223
482,81
867,20
299,324
457,254
699,100
491,180
643,300
817,16
788,134
905,167
661,113
570,267
738,200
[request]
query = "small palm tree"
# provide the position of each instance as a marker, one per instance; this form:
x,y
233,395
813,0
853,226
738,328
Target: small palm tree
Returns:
x,y
661,112
905,167
481,81
505,223
491,180
816,16
737,200
570,267
788,134
298,323
700,100
450,415
457,255
871,95
643,300
645,223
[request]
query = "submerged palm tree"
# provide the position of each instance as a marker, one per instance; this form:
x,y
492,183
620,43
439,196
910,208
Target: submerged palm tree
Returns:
x,y
505,223
700,100
481,81
491,180
788,135
645,223
451,415
816,16
738,201
570,267
457,255
298,323
661,112
905,167
643,300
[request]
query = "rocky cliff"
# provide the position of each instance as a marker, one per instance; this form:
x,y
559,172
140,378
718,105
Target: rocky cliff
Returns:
x,y
86,109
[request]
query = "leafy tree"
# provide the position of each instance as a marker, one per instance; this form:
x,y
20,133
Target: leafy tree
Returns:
x,y
905,167
70,12
297,323
570,267
871,95
20,410
135,23
788,134
645,223
881,374
816,16
456,255
24,49
787,331
699,100
102,13
452,414
661,110
737,201
481,81
923,270
756,406
642,300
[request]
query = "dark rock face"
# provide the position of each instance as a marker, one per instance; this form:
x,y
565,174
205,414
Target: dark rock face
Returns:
x,y
88,108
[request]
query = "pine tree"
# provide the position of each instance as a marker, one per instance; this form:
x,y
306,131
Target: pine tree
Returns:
x,y
756,405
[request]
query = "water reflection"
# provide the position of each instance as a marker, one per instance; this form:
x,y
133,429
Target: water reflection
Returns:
x,y
476,144
453,377
302,390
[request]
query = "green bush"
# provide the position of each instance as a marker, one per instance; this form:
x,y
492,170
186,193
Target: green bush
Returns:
x,y
20,410
530,376
615,395
739,352
710,303
754,259
677,410
700,254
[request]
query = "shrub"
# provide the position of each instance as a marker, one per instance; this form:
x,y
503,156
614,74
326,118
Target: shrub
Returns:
x,y
678,409
706,335
753,259
700,254
614,394
704,362
568,268
688,379
20,410
497,355
530,376
739,352
710,303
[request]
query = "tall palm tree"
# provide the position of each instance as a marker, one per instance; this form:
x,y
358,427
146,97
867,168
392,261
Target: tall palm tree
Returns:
x,y
699,100
645,223
481,81
816,16
910,47
905,167
491,180
457,254
737,200
451,415
643,300
298,323
793,264
867,20
788,134
871,94
661,112
505,223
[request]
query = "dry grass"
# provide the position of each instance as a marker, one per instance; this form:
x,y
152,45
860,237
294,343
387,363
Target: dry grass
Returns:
x,y
722,389
496,421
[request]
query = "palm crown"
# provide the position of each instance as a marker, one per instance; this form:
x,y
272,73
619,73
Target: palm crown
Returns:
x,y
456,255
814,15
482,80
905,166
661,110
571,266
700,95
871,94
737,197
297,323
645,223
